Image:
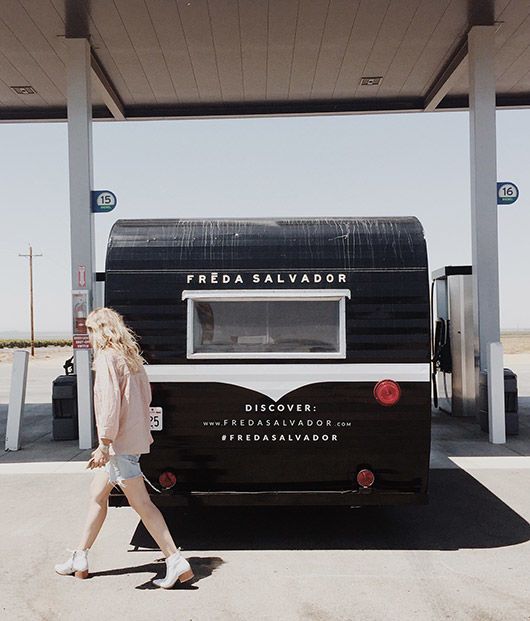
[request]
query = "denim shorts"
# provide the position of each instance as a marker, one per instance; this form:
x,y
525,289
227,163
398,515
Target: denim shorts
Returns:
x,y
120,468
123,467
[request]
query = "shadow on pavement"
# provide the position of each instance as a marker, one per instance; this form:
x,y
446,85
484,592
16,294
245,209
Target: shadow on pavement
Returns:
x,y
36,422
461,513
202,568
36,440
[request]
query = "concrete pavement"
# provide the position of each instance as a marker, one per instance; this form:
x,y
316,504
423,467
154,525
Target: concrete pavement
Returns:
x,y
464,556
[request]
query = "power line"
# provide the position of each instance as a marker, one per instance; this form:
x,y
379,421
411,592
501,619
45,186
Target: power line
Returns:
x,y
31,311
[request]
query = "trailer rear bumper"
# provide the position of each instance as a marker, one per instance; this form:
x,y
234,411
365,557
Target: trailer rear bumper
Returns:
x,y
281,498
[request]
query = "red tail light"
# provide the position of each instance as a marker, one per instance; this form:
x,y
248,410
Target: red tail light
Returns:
x,y
365,478
167,479
387,392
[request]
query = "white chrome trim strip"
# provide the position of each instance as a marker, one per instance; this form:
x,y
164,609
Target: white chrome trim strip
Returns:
x,y
277,380
268,355
222,295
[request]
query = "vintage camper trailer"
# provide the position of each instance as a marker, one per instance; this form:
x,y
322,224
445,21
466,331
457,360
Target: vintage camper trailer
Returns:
x,y
289,359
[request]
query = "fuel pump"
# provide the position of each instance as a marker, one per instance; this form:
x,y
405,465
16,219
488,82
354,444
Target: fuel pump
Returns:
x,y
453,350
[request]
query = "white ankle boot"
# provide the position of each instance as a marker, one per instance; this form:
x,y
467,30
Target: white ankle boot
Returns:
x,y
77,564
177,568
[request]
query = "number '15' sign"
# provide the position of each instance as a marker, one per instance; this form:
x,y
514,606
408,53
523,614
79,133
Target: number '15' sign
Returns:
x,y
102,201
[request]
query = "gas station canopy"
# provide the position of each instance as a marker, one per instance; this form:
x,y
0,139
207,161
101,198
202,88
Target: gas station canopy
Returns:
x,y
197,58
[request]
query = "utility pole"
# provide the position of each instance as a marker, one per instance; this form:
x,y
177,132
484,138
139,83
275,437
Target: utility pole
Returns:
x,y
30,256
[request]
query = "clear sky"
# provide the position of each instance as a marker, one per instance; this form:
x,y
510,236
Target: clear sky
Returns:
x,y
370,165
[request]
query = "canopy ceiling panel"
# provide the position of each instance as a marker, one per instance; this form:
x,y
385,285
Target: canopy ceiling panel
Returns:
x,y
512,51
193,58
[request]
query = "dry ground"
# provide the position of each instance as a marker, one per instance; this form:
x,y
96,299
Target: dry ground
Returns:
x,y
51,353
513,342
516,342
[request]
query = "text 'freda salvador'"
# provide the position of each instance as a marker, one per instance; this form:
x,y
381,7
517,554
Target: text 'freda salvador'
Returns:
x,y
214,278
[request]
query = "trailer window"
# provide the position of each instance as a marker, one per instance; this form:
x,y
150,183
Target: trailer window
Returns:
x,y
237,324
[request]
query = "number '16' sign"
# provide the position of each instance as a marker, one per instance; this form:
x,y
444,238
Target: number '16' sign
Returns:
x,y
507,193
102,201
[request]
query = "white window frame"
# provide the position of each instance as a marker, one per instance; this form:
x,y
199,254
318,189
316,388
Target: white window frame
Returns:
x,y
253,295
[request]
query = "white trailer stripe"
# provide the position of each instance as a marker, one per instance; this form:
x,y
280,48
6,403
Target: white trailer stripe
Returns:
x,y
277,380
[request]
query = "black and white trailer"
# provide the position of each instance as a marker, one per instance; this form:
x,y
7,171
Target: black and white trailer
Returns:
x,y
289,359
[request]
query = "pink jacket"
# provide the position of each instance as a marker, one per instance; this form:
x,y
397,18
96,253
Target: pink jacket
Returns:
x,y
121,404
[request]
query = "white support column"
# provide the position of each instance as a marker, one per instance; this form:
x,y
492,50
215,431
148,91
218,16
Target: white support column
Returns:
x,y
496,410
81,218
483,153
17,399
107,90
446,79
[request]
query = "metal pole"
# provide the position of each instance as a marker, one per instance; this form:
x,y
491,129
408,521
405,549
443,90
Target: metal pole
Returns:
x,y
17,398
31,301
31,311
485,247
81,219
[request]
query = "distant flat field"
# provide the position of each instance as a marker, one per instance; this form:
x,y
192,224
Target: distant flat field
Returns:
x,y
45,355
516,342
513,343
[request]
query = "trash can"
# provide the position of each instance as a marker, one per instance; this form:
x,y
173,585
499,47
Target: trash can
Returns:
x,y
510,391
64,403
510,402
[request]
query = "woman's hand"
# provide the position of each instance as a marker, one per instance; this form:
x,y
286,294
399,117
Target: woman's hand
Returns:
x,y
100,456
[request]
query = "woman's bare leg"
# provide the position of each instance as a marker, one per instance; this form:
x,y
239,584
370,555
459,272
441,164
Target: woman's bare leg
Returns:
x,y
150,515
97,508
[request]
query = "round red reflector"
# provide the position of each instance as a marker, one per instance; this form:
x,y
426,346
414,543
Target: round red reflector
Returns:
x,y
365,478
167,479
387,392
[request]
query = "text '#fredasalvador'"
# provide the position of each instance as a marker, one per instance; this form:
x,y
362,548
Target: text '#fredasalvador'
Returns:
x,y
295,437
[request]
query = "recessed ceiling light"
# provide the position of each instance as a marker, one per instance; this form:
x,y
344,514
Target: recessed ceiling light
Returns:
x,y
24,90
371,81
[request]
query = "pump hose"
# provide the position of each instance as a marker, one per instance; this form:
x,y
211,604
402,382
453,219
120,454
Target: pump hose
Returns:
x,y
433,353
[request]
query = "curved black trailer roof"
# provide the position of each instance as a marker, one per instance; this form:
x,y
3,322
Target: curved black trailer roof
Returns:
x,y
382,261
338,243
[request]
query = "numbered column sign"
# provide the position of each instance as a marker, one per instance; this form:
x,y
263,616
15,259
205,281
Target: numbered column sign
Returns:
x,y
507,193
103,201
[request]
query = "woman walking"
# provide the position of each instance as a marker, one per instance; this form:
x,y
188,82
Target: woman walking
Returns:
x,y
122,395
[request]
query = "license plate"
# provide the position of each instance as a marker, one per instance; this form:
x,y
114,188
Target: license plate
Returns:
x,y
155,415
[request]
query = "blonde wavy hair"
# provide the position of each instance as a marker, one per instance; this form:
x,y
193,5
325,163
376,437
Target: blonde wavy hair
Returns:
x,y
108,329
